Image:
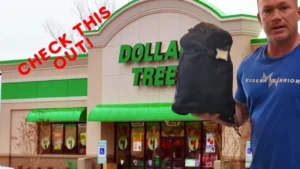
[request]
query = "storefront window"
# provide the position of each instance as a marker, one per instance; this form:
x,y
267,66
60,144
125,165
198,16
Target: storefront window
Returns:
x,y
82,138
45,138
63,138
70,141
137,144
177,145
193,146
57,137
172,129
152,145
212,135
123,146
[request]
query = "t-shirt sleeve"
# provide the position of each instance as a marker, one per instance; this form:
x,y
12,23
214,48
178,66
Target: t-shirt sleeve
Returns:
x,y
240,93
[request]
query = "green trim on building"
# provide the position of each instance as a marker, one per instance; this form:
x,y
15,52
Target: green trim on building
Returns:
x,y
212,8
220,13
137,112
18,61
57,115
111,17
44,89
259,41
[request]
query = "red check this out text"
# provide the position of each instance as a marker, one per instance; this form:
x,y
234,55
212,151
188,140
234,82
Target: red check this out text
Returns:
x,y
54,47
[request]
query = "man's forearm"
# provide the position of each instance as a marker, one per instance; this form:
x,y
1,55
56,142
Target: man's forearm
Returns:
x,y
242,113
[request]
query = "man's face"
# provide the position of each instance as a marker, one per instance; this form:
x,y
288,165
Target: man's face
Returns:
x,y
279,18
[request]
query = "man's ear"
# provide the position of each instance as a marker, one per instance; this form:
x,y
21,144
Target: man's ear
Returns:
x,y
259,19
298,12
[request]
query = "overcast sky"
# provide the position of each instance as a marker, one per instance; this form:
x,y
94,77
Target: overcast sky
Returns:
x,y
22,33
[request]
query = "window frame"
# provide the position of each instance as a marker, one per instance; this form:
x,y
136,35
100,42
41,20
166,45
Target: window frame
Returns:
x,y
202,142
64,150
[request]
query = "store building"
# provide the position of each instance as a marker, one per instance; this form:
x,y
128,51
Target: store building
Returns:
x,y
104,96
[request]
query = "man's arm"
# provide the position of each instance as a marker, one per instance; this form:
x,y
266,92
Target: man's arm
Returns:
x,y
241,108
241,112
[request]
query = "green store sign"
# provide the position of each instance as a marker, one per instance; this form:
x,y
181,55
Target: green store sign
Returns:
x,y
151,76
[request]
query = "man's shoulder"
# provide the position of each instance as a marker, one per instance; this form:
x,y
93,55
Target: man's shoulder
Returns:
x,y
254,56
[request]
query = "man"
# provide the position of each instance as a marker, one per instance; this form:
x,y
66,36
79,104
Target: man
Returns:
x,y
268,89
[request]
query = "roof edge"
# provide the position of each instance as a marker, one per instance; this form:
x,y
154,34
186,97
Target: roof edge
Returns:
x,y
220,14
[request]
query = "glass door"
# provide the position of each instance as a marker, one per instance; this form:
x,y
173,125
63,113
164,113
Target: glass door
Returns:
x,y
172,153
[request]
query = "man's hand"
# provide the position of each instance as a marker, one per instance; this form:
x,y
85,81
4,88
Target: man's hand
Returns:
x,y
213,118
241,112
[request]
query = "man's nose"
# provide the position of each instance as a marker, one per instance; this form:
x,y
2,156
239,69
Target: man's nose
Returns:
x,y
276,15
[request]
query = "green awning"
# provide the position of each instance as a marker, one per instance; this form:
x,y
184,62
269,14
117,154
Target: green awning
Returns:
x,y
137,112
57,115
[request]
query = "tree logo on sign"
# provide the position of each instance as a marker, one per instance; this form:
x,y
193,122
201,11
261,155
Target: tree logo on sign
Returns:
x,y
152,143
45,142
193,143
123,143
70,143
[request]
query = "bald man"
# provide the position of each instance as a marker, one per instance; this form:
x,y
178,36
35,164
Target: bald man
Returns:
x,y
268,89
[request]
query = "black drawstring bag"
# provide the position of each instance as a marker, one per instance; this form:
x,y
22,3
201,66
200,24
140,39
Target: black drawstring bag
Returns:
x,y
205,73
